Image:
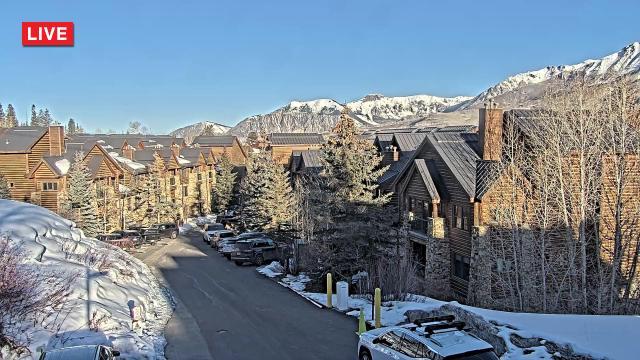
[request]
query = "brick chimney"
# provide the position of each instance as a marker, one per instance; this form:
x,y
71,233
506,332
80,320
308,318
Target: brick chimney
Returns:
x,y
127,151
490,132
56,140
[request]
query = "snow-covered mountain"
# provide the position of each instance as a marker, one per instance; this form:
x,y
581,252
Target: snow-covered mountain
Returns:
x,y
623,62
322,114
191,131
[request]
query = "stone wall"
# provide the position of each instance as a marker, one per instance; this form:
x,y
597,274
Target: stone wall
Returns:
x,y
437,264
480,268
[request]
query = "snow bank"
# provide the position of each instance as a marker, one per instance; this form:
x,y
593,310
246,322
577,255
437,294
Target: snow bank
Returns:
x,y
109,283
272,270
599,336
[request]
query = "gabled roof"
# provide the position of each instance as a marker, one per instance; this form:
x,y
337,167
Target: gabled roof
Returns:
x,y
382,141
296,139
214,140
20,139
53,164
459,151
396,168
408,141
311,159
193,154
421,165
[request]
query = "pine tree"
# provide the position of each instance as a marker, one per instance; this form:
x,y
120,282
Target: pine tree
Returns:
x,y
252,191
278,201
11,120
47,119
222,193
5,191
71,127
2,117
162,208
39,119
34,116
82,198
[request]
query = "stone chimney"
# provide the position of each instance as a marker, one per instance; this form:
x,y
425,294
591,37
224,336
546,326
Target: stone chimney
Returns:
x,y
128,151
56,140
490,132
396,153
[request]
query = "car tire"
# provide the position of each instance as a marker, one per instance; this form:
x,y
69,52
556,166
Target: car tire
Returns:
x,y
365,355
174,234
259,260
227,256
238,262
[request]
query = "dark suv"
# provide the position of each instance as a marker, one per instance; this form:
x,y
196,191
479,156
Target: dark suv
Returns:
x,y
257,251
169,230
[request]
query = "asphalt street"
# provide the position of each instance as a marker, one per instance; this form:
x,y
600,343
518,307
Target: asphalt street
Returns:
x,y
229,312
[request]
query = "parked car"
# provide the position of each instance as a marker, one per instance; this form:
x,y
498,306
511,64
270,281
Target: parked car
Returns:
x,y
213,237
166,230
149,236
117,239
83,352
227,246
210,228
258,251
439,338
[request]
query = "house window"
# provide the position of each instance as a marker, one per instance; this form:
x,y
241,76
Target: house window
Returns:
x,y
49,186
172,181
11,184
185,191
461,265
459,217
199,176
210,175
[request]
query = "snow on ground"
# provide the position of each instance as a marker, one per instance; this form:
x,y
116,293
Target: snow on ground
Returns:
x,y
272,270
600,336
195,223
109,281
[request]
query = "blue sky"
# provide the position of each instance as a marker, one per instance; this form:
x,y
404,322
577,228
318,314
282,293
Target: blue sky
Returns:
x,y
171,63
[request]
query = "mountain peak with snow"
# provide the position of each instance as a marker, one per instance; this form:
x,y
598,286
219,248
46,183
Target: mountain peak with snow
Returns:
x,y
191,131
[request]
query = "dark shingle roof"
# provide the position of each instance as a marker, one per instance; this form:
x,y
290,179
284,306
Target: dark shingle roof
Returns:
x,y
20,139
396,168
408,141
214,140
51,162
487,172
459,152
421,165
296,139
382,141
191,154
311,159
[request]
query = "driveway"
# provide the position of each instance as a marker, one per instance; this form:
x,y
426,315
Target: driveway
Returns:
x,y
225,311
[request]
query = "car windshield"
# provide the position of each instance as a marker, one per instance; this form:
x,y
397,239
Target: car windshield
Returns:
x,y
483,355
226,235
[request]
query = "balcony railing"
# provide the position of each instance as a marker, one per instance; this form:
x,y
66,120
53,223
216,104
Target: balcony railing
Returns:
x,y
418,225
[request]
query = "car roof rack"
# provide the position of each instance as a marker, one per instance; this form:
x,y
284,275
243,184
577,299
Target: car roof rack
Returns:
x,y
447,318
432,329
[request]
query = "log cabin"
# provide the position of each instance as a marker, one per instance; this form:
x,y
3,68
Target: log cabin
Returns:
x,y
282,145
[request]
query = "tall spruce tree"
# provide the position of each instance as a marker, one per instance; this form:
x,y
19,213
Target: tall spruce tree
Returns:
x,y
278,201
162,208
2,117
82,197
47,119
5,191
11,119
351,224
222,193
34,116
252,191
71,127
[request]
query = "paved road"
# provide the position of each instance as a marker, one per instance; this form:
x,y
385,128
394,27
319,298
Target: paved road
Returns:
x,y
228,312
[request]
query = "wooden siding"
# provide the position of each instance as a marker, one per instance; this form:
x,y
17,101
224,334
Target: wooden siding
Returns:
x,y
282,154
15,167
39,149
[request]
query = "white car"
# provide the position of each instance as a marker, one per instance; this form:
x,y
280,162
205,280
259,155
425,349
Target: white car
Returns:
x,y
82,352
214,236
432,339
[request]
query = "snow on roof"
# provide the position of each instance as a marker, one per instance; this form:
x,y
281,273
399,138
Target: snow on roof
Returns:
x,y
63,166
127,162
183,161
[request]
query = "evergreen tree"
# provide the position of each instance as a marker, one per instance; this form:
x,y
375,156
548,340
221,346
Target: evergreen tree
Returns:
x,y
71,127
252,191
162,209
39,119
82,197
351,226
34,116
47,119
11,120
278,201
5,191
2,117
225,182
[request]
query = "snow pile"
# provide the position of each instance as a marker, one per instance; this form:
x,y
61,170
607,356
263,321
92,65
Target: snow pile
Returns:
x,y
110,285
272,270
599,336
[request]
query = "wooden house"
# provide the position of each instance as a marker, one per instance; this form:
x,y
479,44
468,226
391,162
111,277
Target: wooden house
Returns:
x,y
282,145
223,144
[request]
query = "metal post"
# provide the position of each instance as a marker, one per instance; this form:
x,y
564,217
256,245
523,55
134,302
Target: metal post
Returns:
x,y
329,291
377,302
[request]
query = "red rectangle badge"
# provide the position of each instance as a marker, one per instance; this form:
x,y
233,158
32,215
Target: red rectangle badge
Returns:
x,y
47,33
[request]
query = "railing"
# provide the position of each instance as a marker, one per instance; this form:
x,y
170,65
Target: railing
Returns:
x,y
418,225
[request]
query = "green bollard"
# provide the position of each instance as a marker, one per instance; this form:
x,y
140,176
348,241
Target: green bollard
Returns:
x,y
362,325
376,308
329,291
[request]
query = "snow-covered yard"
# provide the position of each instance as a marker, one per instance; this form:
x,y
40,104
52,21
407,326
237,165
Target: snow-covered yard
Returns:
x,y
598,336
108,286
